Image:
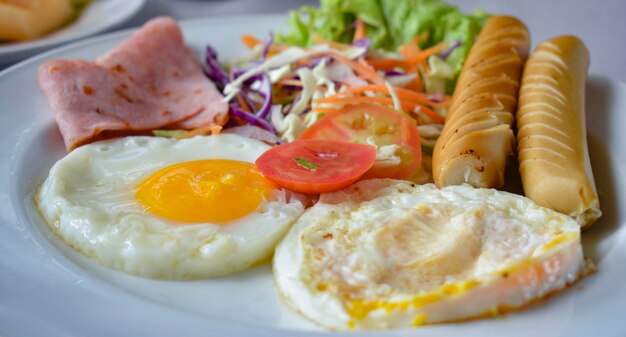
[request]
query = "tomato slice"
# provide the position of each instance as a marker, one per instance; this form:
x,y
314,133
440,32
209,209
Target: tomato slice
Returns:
x,y
363,123
316,166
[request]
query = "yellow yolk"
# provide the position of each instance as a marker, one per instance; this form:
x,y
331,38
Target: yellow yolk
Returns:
x,y
212,190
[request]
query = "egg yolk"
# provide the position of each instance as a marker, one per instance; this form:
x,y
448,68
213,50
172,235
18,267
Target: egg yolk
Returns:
x,y
212,190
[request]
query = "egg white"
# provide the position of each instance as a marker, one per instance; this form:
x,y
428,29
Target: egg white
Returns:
x,y
386,254
88,200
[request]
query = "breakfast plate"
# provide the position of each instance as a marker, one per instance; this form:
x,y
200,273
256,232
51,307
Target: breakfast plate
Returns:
x,y
99,16
47,288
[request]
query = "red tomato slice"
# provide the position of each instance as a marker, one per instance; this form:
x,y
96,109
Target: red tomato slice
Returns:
x,y
316,166
380,124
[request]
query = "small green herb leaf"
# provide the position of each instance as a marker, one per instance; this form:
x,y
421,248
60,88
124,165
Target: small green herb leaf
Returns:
x,y
168,133
305,163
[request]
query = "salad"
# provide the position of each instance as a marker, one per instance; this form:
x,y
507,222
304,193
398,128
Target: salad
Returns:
x,y
372,72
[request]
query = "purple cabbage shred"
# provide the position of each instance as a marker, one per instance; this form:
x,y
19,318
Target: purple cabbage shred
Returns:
x,y
394,73
446,53
266,46
265,90
215,71
251,118
220,77
316,61
364,43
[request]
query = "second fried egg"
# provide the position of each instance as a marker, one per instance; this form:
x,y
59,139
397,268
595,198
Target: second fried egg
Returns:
x,y
162,208
387,254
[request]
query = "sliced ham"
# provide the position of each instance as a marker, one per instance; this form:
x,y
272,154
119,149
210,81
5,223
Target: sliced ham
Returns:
x,y
150,81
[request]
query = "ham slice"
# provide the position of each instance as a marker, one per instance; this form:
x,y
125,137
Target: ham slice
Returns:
x,y
150,81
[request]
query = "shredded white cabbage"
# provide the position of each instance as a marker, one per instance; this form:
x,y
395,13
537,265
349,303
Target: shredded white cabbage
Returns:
x,y
430,130
289,127
401,80
394,96
386,155
286,57
440,71
279,73
308,88
340,72
321,76
354,52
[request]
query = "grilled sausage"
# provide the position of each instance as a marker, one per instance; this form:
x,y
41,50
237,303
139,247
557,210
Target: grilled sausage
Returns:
x,y
552,150
477,138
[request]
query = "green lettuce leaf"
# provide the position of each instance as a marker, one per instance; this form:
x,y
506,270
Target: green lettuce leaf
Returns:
x,y
390,23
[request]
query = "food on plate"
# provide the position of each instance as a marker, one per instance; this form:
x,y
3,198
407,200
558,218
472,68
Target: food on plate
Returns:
x,y
348,107
387,254
477,138
150,81
316,165
551,134
390,130
29,19
169,209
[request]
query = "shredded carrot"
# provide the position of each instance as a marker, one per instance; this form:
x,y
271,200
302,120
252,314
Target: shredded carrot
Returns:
x,y
409,99
386,63
413,57
359,31
302,62
423,36
362,69
332,44
216,129
403,94
410,49
282,96
250,41
406,106
416,84
278,87
211,128
276,48
426,53
357,99
321,88
243,103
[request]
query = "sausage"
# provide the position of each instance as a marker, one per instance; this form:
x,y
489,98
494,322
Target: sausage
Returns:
x,y
477,138
552,151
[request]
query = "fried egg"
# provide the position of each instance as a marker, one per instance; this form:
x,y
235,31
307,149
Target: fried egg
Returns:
x,y
387,254
162,208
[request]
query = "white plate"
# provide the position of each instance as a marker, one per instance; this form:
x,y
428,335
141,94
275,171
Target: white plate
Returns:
x,y
99,16
48,289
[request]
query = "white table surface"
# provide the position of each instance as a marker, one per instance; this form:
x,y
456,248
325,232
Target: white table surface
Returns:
x,y
600,23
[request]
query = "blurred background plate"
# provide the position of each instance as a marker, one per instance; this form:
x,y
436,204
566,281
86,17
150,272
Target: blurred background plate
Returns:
x,y
99,16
